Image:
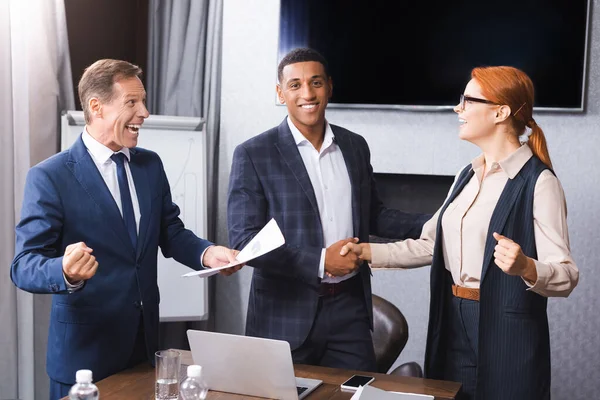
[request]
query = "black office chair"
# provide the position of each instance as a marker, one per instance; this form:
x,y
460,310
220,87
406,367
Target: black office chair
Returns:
x,y
390,334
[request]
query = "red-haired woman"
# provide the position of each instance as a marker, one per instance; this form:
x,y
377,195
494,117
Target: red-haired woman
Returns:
x,y
498,248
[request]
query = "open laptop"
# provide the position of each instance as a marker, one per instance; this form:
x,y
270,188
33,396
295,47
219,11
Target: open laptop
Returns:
x,y
248,365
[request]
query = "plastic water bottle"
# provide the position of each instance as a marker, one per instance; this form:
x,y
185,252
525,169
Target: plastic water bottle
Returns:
x,y
193,387
84,389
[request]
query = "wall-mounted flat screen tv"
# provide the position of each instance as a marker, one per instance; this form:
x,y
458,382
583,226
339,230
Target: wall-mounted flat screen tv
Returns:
x,y
419,54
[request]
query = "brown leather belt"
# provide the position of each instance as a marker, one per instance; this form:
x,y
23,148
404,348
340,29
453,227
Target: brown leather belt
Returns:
x,y
465,293
331,289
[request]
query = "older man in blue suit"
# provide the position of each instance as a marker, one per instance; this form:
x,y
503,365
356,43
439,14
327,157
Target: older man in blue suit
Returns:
x,y
92,220
316,180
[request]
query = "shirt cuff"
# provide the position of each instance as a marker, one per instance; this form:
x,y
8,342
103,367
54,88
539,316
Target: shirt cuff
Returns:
x,y
380,255
202,256
72,287
543,276
322,264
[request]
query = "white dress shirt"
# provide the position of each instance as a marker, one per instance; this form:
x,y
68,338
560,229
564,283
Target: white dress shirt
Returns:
x,y
108,169
331,183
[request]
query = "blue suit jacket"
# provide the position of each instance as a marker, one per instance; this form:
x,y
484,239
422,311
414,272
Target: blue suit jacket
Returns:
x,y
66,201
269,180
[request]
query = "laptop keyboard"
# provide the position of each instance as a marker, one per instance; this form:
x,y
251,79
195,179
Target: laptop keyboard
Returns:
x,y
301,390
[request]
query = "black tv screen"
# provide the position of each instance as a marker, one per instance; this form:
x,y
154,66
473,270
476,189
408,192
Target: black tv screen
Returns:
x,y
419,54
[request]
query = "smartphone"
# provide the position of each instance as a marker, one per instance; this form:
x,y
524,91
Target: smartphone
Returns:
x,y
355,381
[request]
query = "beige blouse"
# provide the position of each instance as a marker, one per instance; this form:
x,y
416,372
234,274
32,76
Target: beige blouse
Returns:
x,y
466,221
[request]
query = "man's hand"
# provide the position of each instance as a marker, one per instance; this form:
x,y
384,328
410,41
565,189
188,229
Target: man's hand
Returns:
x,y
362,250
217,256
338,265
78,263
510,258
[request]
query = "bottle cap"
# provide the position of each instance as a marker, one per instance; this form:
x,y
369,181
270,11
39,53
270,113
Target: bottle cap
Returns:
x,y
194,371
83,376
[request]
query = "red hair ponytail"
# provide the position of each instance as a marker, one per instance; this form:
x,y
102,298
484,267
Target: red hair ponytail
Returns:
x,y
537,143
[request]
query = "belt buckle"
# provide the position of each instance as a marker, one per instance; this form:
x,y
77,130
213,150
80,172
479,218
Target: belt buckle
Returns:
x,y
465,293
327,289
331,289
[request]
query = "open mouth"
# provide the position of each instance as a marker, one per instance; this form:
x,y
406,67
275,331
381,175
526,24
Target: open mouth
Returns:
x,y
462,121
308,106
133,128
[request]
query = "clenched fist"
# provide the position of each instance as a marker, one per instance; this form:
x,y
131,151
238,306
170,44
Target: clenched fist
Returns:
x,y
78,263
510,258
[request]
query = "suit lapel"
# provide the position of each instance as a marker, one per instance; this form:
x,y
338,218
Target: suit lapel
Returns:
x,y
345,144
507,199
85,171
142,188
291,156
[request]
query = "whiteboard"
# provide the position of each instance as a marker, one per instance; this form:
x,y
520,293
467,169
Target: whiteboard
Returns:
x,y
181,144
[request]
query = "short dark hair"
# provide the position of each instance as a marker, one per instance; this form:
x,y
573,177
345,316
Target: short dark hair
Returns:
x,y
301,54
98,80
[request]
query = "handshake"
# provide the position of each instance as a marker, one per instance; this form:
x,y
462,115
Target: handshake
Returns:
x,y
345,256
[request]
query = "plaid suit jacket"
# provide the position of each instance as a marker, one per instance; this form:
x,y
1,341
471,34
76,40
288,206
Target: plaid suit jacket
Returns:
x,y
269,180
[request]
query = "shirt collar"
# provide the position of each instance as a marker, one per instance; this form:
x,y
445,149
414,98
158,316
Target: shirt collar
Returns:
x,y
299,138
514,162
511,165
99,151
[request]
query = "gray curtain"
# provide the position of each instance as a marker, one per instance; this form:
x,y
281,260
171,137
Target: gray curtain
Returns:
x,y
184,70
35,77
184,79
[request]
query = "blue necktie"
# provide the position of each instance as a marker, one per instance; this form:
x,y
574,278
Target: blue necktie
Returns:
x,y
126,203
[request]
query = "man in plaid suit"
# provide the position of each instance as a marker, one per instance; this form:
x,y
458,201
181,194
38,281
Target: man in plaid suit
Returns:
x,y
316,180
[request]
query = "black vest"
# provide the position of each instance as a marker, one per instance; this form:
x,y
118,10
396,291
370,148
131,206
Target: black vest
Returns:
x,y
514,341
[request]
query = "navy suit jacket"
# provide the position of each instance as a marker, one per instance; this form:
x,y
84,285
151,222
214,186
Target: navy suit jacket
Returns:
x,y
66,201
269,180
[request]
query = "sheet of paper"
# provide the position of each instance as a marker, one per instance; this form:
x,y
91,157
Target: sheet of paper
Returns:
x,y
356,395
412,396
372,393
268,239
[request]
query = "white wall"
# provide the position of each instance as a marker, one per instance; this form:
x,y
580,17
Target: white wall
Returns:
x,y
422,143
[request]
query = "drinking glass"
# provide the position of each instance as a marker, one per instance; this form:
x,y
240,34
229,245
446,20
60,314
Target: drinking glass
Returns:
x,y
167,374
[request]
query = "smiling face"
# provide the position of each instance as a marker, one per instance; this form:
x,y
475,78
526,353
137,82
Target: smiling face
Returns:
x,y
477,120
305,89
116,123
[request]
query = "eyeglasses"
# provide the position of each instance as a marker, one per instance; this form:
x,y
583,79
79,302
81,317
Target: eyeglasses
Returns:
x,y
464,98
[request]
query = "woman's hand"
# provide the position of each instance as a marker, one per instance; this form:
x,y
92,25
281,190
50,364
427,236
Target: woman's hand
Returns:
x,y
510,258
362,250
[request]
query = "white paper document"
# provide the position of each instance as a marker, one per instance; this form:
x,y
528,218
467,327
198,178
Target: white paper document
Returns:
x,y
372,393
268,239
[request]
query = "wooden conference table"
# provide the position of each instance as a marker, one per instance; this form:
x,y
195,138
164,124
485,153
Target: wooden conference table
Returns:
x,y
138,384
